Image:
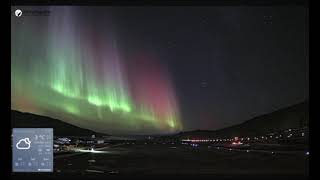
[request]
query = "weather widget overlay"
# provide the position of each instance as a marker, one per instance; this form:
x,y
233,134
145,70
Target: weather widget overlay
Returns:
x,y
32,150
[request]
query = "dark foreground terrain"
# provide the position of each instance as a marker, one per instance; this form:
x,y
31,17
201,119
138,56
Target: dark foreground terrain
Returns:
x,y
180,159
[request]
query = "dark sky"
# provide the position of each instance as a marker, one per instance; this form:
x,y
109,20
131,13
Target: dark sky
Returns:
x,y
229,63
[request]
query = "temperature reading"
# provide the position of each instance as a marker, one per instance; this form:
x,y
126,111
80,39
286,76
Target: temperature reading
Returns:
x,y
32,150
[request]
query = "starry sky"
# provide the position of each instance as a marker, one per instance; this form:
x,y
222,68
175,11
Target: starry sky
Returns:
x,y
138,70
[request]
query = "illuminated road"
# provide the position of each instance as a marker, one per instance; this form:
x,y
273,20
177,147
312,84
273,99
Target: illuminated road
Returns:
x,y
81,151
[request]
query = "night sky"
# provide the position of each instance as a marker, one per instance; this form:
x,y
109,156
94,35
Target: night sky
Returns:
x,y
137,70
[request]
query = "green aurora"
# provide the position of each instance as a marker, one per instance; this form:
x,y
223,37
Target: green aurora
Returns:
x,y
69,68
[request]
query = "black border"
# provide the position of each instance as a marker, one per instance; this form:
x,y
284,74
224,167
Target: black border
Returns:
x,y
5,114
164,2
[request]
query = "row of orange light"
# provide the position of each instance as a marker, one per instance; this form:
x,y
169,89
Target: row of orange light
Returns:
x,y
205,140
256,138
213,140
237,143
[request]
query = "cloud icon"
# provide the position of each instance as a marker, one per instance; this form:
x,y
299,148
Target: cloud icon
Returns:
x,y
23,143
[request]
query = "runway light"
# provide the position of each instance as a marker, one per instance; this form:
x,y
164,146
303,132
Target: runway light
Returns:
x,y
91,151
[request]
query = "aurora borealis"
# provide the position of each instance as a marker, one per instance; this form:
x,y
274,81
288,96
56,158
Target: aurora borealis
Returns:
x,y
67,67
141,70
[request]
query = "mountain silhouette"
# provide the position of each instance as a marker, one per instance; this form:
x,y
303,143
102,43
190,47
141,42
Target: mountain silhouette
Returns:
x,y
294,116
60,128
